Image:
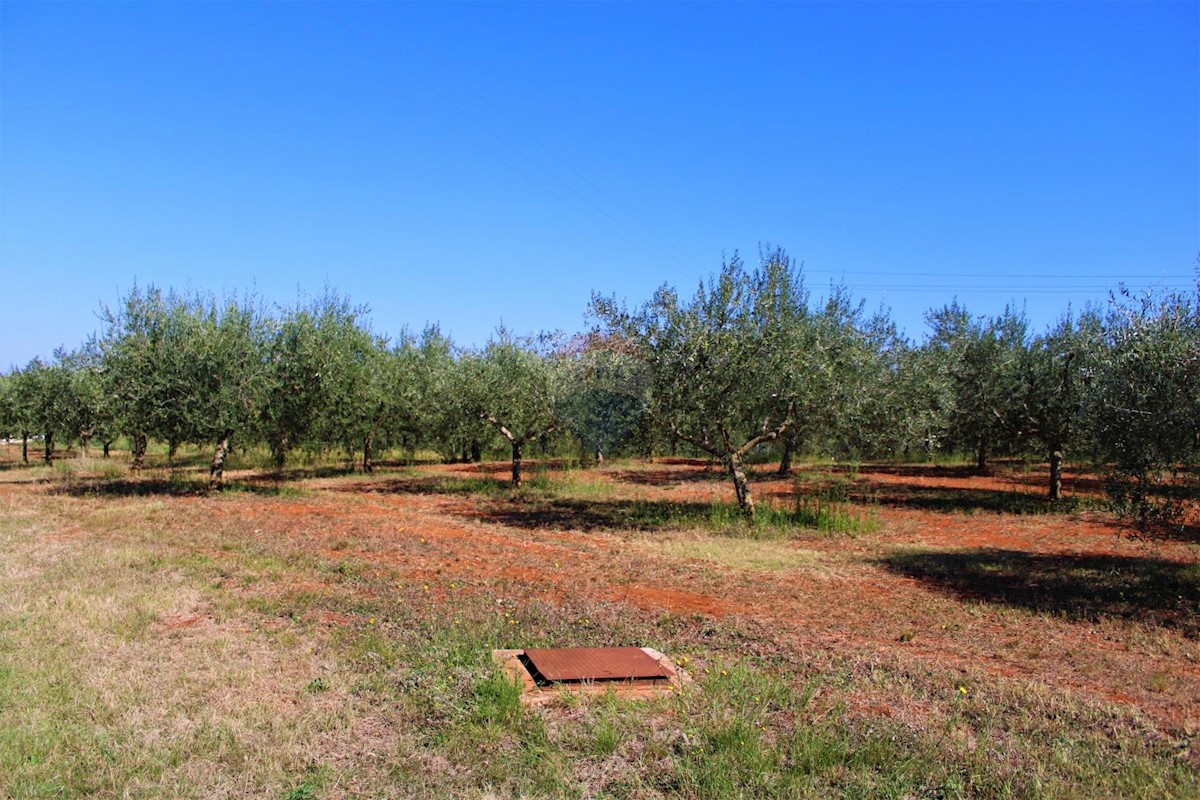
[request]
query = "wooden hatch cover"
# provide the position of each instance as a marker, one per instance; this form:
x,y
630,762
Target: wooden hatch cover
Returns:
x,y
579,664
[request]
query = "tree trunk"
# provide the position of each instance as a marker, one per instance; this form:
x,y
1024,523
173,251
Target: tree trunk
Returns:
x,y
1056,459
740,485
107,445
981,459
785,463
367,466
216,472
139,452
25,447
281,446
516,463
49,448
476,452
599,457
172,449
84,441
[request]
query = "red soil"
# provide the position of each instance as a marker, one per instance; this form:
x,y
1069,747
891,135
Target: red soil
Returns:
x,y
849,603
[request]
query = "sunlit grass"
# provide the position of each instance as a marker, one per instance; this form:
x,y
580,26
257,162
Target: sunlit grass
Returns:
x,y
741,553
156,647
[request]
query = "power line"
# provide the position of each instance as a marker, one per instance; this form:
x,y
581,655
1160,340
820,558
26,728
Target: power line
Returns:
x,y
1014,276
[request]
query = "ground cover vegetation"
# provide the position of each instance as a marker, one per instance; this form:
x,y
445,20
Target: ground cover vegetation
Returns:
x,y
264,552
329,636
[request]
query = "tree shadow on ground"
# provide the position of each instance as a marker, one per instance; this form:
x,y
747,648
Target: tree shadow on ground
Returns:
x,y
1093,587
129,487
592,515
947,499
191,483
668,477
1076,480
532,507
430,484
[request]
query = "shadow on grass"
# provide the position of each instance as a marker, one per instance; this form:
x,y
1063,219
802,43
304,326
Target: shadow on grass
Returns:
x,y
1155,591
180,486
953,499
434,484
534,505
669,477
129,487
592,515
623,516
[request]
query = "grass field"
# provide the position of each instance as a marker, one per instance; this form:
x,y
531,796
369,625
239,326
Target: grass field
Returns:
x,y
891,632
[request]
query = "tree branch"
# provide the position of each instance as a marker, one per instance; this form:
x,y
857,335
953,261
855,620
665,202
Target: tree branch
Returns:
x,y
483,415
769,436
703,445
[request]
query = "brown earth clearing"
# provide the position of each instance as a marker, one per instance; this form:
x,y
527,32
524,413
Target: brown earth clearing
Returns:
x,y
327,635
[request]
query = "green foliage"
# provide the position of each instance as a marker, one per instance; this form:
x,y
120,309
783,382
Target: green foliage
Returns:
x,y
741,370
721,361
1143,404
853,358
605,399
436,408
723,367
320,382
980,360
517,385
1053,371
184,368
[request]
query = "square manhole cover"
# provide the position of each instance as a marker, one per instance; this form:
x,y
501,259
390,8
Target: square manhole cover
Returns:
x,y
579,664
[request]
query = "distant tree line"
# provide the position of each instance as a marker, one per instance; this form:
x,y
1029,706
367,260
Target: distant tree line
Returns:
x,y
747,367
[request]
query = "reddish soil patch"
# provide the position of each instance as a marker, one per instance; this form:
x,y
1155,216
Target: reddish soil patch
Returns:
x,y
853,603
962,594
657,598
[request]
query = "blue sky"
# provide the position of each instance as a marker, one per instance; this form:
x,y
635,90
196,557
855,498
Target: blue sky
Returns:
x,y
470,164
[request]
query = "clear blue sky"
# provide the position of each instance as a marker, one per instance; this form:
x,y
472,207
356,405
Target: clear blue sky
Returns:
x,y
476,163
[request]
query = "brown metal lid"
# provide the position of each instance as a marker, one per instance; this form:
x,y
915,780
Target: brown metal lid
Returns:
x,y
595,664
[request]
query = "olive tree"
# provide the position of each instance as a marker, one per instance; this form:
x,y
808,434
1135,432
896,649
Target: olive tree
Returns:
x,y
1142,401
317,367
981,358
1053,370
140,333
47,400
16,405
606,394
353,397
516,385
844,356
185,368
420,405
93,414
228,372
722,365
7,416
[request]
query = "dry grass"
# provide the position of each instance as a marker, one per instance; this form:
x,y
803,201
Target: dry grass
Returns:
x,y
332,641
768,555
122,678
